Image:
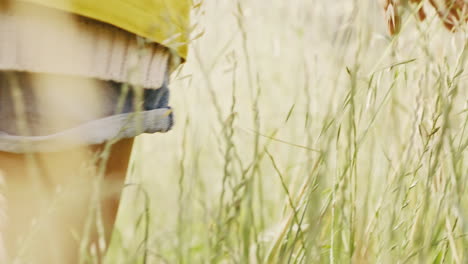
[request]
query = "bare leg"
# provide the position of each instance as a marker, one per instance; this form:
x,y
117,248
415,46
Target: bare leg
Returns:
x,y
48,201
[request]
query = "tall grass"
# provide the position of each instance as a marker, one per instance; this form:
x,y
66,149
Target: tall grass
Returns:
x,y
305,134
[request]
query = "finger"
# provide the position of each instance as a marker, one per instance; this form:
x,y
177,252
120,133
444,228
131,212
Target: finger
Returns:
x,y
392,16
421,13
451,12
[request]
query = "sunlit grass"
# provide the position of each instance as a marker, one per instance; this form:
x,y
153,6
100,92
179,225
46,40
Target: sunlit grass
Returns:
x,y
305,134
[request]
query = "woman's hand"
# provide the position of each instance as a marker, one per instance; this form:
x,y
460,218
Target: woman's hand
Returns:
x,y
450,12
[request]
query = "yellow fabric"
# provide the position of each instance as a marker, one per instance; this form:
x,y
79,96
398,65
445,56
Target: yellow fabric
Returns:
x,y
162,21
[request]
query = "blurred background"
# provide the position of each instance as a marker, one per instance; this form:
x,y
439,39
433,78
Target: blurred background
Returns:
x,y
306,134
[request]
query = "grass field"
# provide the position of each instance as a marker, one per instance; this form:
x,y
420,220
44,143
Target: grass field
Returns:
x,y
305,134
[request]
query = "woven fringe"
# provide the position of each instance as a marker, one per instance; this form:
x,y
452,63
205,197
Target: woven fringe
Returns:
x,y
44,40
